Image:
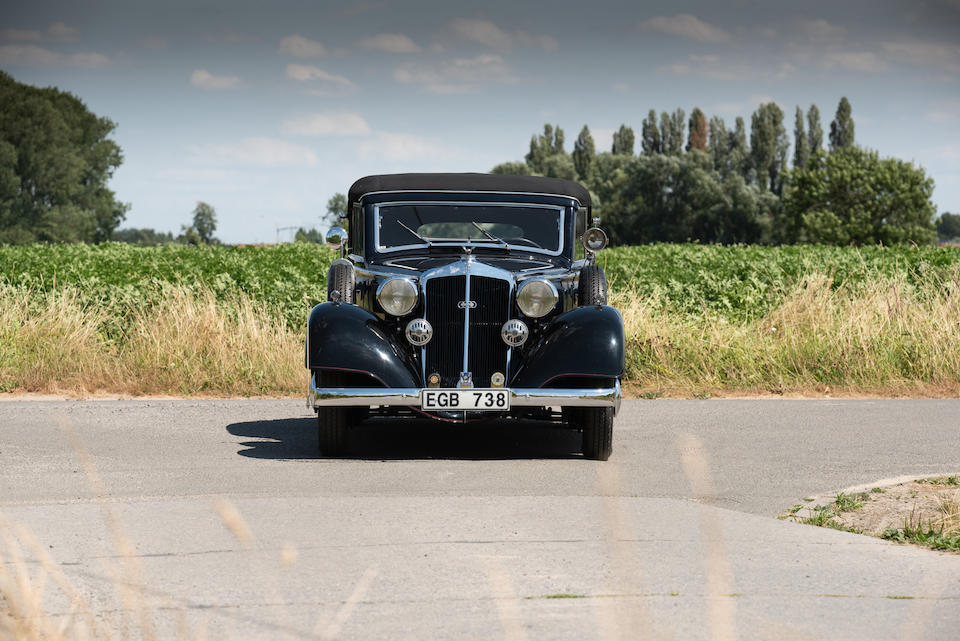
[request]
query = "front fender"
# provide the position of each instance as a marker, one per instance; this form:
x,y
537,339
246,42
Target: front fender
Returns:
x,y
349,338
587,342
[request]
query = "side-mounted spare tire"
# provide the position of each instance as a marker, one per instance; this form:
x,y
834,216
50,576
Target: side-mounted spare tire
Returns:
x,y
593,286
341,278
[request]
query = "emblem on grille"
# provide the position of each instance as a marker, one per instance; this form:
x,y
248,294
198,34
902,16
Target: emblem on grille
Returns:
x,y
467,304
466,380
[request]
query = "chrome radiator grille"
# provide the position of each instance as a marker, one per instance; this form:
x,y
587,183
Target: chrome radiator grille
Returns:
x,y
486,352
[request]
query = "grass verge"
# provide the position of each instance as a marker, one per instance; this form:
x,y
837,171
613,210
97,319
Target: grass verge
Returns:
x,y
925,512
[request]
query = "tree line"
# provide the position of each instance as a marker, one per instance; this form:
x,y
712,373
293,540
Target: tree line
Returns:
x,y
697,179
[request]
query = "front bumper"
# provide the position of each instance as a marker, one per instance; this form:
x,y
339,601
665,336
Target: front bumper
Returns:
x,y
410,397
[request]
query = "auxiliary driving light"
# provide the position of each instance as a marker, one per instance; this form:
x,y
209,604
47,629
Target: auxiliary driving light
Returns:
x,y
419,332
594,239
514,332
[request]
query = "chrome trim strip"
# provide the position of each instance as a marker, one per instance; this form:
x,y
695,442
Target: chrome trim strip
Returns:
x,y
466,321
519,397
473,191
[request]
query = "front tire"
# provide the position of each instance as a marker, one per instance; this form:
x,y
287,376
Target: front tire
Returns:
x,y
341,278
597,425
333,423
592,289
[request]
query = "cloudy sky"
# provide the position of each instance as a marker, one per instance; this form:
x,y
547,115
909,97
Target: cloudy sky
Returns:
x,y
266,111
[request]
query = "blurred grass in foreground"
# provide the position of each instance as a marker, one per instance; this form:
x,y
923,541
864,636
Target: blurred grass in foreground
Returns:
x,y
699,319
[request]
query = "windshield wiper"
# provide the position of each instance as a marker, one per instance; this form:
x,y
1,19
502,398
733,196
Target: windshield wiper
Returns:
x,y
495,239
423,238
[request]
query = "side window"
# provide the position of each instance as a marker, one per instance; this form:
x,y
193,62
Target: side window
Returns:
x,y
356,229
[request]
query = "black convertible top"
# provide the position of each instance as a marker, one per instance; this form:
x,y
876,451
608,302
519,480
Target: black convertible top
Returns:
x,y
468,182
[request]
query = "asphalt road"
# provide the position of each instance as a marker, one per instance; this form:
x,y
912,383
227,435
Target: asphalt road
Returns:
x,y
219,518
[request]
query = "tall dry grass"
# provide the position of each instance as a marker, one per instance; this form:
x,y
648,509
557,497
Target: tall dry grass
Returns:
x,y
885,336
184,343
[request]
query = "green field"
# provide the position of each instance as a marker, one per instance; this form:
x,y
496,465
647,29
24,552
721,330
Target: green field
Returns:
x,y
699,319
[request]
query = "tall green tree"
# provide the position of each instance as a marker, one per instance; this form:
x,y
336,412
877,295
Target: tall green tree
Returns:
x,y
739,155
718,145
651,142
801,150
948,227
57,159
697,138
677,129
854,197
814,130
200,232
584,152
768,146
666,134
841,129
623,140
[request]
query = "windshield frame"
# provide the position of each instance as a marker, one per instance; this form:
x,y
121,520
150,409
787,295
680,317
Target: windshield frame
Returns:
x,y
484,243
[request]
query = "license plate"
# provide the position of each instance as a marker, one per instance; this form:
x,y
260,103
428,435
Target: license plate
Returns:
x,y
474,400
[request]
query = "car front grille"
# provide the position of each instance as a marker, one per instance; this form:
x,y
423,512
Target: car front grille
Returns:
x,y
487,352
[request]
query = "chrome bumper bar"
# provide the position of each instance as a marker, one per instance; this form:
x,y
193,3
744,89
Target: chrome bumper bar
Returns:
x,y
410,397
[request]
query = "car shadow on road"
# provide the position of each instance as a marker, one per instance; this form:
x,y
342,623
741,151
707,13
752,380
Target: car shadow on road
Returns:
x,y
382,439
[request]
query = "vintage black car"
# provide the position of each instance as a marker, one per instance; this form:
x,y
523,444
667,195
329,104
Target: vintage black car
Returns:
x,y
465,297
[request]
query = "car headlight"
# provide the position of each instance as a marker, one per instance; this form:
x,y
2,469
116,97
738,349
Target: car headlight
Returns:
x,y
397,296
537,297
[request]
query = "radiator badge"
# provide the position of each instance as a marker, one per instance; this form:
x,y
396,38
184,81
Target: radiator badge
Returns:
x,y
466,380
467,304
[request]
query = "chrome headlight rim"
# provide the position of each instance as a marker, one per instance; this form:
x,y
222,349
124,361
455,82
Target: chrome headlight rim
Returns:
x,y
388,301
533,312
594,239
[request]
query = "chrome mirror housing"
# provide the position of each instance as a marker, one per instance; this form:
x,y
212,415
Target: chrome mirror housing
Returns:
x,y
336,238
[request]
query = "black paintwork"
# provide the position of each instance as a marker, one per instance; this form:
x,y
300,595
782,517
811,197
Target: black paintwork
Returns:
x,y
348,338
584,342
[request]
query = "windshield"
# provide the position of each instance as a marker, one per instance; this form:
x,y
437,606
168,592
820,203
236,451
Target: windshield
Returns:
x,y
512,226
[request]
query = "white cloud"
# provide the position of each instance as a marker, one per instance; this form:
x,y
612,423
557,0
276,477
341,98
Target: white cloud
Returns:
x,y
820,29
331,123
391,43
859,61
330,82
301,47
406,148
205,80
742,108
686,26
34,55
489,34
945,55
461,75
257,151
56,32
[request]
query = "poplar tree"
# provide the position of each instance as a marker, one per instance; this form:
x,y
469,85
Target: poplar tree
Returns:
x,y
801,150
623,140
651,142
718,145
698,130
677,122
739,154
841,129
768,146
666,133
584,152
814,130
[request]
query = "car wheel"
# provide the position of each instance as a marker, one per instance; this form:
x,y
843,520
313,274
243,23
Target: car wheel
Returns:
x,y
597,425
332,422
593,286
341,278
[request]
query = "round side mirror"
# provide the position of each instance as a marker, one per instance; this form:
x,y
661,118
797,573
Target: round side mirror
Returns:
x,y
336,237
594,239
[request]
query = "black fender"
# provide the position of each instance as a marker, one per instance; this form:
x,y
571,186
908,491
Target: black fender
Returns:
x,y
348,338
584,342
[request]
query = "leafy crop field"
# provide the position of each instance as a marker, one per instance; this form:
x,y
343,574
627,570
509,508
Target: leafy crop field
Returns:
x,y
700,319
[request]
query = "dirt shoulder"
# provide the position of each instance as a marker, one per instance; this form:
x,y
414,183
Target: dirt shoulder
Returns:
x,y
923,511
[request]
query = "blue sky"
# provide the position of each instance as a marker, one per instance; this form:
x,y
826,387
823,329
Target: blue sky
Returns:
x,y
265,111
